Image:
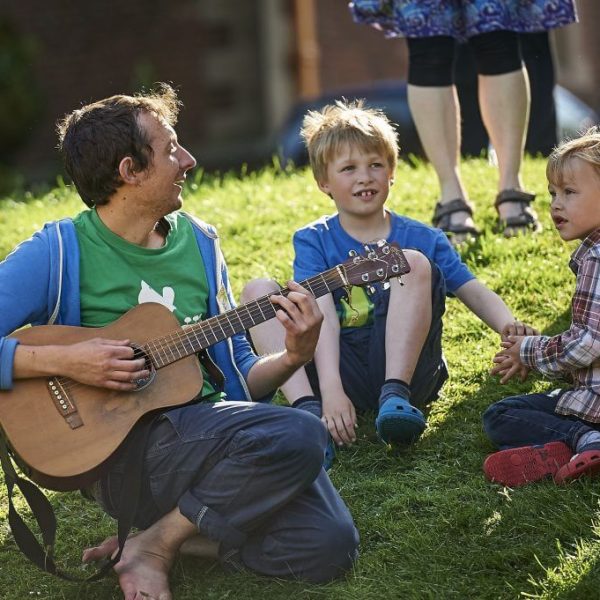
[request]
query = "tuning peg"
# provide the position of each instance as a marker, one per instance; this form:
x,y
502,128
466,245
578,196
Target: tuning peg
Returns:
x,y
352,253
371,289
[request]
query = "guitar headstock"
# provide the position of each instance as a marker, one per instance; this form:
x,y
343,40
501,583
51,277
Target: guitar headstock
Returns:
x,y
380,263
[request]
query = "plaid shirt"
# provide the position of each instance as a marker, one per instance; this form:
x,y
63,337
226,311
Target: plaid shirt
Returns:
x,y
577,350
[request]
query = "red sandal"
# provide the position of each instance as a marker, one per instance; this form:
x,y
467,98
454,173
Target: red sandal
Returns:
x,y
519,466
584,463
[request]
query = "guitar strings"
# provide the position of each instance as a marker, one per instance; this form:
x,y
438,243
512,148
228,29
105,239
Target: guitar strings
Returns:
x,y
177,340
165,350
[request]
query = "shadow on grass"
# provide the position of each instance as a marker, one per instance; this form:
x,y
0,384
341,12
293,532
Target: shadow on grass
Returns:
x,y
430,520
431,526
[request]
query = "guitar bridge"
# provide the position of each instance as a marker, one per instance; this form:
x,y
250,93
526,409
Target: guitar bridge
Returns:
x,y
63,402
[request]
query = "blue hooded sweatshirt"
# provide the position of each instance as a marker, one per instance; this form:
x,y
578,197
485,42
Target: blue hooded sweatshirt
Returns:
x,y
39,285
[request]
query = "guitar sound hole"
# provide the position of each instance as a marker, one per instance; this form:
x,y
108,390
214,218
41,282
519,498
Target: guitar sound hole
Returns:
x,y
140,384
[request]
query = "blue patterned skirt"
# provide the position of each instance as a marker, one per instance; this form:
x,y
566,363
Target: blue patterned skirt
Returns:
x,y
462,19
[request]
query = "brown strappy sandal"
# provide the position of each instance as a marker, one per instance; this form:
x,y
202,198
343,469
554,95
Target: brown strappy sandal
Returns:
x,y
441,218
525,221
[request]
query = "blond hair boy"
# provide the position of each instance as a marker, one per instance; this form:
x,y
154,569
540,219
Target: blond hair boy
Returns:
x,y
379,349
557,434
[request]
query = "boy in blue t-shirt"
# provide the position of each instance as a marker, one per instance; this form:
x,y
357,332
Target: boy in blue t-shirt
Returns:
x,y
379,348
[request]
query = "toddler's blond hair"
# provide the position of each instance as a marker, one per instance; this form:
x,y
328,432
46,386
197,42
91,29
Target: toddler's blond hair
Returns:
x,y
326,131
586,147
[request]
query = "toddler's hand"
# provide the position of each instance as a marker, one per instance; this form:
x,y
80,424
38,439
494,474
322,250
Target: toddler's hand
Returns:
x,y
508,361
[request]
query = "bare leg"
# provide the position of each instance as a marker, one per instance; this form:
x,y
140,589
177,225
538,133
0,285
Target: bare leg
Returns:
x,y
268,338
200,546
436,113
504,102
147,557
409,319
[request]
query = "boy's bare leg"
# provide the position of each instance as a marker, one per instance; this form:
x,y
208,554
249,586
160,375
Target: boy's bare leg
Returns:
x,y
147,557
407,326
409,318
269,337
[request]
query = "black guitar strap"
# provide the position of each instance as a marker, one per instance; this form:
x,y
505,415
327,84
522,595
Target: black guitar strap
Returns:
x,y
216,375
42,556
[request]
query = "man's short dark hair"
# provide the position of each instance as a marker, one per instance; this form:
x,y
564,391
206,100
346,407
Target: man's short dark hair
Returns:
x,y
94,139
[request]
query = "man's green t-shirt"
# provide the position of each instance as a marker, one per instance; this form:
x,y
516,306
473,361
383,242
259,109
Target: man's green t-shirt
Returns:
x,y
116,275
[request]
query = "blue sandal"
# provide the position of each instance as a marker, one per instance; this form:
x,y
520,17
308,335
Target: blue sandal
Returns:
x,y
329,454
398,421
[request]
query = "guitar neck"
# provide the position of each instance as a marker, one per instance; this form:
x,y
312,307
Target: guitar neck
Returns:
x,y
195,338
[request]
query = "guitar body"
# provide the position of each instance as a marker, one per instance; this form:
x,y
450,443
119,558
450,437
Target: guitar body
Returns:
x,y
62,432
63,452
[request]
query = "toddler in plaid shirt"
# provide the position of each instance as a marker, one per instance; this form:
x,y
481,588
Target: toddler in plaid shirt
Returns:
x,y
557,434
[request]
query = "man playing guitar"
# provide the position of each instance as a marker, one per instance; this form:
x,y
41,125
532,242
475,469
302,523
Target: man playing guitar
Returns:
x,y
224,475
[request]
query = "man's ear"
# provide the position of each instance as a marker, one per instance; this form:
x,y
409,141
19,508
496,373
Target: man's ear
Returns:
x,y
127,171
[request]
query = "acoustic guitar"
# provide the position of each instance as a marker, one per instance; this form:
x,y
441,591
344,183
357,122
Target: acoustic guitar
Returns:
x,y
61,432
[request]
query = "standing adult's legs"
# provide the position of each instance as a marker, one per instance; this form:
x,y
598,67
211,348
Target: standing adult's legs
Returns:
x,y
433,102
436,114
504,101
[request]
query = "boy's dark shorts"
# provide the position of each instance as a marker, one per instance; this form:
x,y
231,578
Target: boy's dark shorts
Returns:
x,y
362,353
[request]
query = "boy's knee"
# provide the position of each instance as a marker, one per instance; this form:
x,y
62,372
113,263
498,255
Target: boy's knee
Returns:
x,y
257,288
497,409
421,270
491,418
419,264
488,416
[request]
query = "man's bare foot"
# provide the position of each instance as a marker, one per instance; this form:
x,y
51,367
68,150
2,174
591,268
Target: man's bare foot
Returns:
x,y
104,550
143,573
143,569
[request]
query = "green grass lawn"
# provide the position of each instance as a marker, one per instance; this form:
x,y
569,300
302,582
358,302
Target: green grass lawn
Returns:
x,y
430,525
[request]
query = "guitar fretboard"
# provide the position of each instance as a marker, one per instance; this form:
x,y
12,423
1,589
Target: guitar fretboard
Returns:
x,y
195,338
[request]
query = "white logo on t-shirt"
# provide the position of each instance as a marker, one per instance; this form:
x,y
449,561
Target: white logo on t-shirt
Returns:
x,y
147,294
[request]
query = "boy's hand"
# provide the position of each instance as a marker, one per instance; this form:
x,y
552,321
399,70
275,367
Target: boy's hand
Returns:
x,y
517,328
339,417
508,360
